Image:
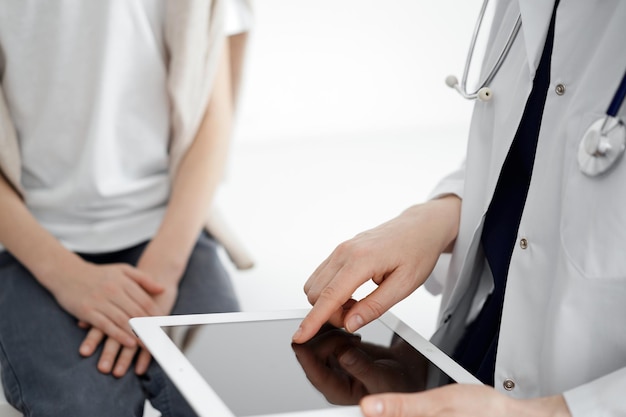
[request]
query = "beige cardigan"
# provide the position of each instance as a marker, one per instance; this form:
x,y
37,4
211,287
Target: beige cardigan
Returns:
x,y
194,31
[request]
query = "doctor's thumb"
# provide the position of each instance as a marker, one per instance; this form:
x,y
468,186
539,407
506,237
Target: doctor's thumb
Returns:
x,y
386,405
371,307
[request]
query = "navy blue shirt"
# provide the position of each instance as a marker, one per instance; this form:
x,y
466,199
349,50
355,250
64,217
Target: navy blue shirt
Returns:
x,y
477,349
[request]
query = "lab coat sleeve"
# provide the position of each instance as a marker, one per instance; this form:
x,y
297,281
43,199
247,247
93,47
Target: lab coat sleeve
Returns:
x,y
453,183
601,397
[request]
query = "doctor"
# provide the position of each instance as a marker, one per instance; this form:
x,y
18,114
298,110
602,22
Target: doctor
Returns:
x,y
534,302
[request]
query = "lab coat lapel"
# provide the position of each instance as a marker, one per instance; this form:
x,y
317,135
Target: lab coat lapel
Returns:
x,y
536,16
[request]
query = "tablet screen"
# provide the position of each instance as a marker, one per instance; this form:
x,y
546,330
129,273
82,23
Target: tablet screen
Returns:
x,y
255,369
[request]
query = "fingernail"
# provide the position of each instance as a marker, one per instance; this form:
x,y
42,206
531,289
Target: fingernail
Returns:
x,y
297,334
84,350
348,358
139,371
372,407
105,365
354,323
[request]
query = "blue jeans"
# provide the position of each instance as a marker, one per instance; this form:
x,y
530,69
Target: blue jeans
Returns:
x,y
42,371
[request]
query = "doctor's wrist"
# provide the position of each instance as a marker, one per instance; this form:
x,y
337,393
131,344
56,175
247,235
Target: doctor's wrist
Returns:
x,y
445,214
554,406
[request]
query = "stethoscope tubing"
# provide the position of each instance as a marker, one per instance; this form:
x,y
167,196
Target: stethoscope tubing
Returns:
x,y
496,67
470,53
618,98
604,142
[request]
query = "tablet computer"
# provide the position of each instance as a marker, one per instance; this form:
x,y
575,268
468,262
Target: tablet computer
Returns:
x,y
244,364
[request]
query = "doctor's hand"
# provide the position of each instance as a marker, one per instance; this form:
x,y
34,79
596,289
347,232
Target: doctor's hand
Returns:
x,y
345,369
398,256
462,401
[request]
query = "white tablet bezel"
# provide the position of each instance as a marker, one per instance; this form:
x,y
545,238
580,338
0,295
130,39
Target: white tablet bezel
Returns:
x,y
203,398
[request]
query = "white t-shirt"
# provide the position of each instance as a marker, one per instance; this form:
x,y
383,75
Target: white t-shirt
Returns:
x,y
238,17
85,83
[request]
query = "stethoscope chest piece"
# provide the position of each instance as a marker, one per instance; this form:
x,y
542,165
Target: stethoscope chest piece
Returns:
x,y
602,146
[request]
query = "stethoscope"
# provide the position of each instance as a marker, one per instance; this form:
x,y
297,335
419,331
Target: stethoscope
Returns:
x,y
604,142
482,92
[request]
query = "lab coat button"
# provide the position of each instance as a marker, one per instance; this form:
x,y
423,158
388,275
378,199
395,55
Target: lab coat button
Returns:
x,y
508,384
560,89
523,243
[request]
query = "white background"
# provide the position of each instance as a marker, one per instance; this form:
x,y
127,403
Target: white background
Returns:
x,y
325,67
345,120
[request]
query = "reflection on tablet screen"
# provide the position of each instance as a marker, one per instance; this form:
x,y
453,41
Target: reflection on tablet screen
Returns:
x,y
255,369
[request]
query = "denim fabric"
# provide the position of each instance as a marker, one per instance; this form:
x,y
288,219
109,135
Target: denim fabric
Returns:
x,y
42,371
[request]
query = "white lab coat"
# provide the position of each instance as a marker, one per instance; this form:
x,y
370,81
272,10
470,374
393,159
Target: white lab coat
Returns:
x,y
563,328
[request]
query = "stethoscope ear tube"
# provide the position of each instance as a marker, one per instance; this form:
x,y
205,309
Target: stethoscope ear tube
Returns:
x,y
483,92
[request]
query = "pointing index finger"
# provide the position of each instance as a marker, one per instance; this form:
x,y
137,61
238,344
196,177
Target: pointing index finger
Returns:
x,y
325,310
